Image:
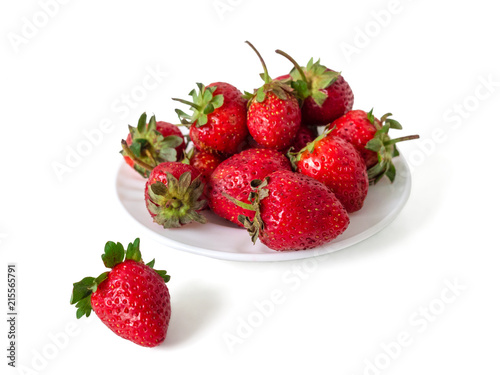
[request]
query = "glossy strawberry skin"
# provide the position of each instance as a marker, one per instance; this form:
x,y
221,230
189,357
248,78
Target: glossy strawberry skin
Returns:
x,y
166,129
356,128
159,173
134,302
339,101
274,122
300,213
338,165
233,177
226,129
205,162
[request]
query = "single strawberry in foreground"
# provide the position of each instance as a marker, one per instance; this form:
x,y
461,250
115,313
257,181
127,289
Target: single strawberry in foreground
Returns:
x,y
219,120
153,143
324,93
370,137
234,175
336,163
293,212
132,299
174,195
273,117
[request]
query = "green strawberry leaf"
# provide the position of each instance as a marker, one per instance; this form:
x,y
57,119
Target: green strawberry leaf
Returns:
x,y
374,144
82,289
151,264
168,154
218,101
113,254
133,252
163,275
261,95
84,307
141,125
370,116
393,124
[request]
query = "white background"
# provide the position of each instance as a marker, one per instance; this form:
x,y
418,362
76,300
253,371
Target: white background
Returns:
x,y
427,62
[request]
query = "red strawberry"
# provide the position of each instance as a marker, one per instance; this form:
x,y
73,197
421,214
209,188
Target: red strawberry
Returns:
x,y
218,123
325,94
304,136
132,299
370,137
273,112
174,195
294,212
153,143
233,177
205,162
336,163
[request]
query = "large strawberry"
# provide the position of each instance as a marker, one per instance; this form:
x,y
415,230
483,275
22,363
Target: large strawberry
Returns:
x,y
174,195
336,163
153,143
132,299
324,93
370,137
218,122
234,175
274,116
293,212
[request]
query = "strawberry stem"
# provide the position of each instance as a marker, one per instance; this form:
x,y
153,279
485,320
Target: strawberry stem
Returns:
x,y
295,64
402,139
267,78
128,152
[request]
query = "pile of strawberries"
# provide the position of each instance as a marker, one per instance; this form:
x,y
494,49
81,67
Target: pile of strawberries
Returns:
x,y
258,160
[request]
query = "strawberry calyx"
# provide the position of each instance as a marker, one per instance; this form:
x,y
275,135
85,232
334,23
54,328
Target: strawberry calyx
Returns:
x,y
278,87
385,147
309,81
177,202
114,254
255,226
204,103
150,146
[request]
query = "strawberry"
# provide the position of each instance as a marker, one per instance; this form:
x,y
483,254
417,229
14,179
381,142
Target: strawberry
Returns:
x,y
370,137
325,93
336,163
293,212
174,195
233,177
273,117
218,123
305,135
153,143
203,161
131,299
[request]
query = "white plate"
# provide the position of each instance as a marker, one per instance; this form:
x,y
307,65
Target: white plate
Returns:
x,y
222,239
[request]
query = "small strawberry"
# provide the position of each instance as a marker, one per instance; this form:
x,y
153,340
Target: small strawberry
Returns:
x,y
305,135
233,177
132,299
174,195
293,212
203,161
153,143
219,119
370,137
325,94
273,112
336,163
